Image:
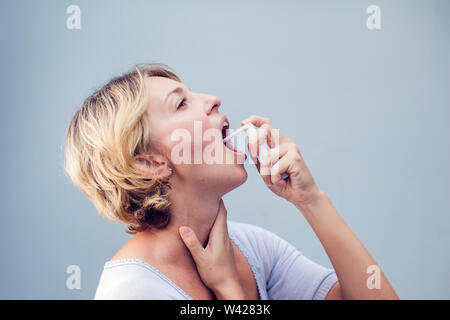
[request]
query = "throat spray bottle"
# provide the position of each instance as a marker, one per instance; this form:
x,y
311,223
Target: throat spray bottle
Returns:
x,y
250,129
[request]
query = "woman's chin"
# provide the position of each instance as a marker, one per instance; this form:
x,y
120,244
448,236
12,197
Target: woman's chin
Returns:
x,y
235,175
221,178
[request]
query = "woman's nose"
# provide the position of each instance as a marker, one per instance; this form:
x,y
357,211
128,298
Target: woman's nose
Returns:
x,y
212,102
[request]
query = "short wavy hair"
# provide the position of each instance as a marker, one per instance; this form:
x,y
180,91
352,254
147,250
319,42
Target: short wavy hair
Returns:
x,y
103,138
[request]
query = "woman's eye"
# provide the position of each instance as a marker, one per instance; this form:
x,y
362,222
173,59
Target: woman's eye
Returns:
x,y
181,104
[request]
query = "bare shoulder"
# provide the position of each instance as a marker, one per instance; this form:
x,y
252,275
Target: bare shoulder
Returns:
x,y
130,250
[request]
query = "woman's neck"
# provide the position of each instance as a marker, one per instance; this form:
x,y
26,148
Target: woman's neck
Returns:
x,y
188,208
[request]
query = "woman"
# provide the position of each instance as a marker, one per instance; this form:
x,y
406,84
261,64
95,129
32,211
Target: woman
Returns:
x,y
123,152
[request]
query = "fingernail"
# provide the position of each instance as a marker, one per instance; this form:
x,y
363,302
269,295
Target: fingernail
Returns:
x,y
185,231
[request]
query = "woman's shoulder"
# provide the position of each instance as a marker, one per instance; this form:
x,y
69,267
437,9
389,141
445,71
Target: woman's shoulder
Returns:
x,y
126,279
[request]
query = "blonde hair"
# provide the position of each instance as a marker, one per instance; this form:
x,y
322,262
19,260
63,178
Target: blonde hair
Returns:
x,y
103,138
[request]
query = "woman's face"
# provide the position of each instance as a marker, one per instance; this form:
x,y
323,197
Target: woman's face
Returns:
x,y
187,127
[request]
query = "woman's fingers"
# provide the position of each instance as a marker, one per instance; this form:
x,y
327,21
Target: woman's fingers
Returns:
x,y
265,133
280,167
215,264
256,120
191,241
219,231
264,171
262,135
275,161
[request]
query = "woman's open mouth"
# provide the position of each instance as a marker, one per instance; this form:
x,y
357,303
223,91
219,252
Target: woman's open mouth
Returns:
x,y
229,144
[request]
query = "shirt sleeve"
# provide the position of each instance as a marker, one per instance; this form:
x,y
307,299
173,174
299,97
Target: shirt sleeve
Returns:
x,y
289,274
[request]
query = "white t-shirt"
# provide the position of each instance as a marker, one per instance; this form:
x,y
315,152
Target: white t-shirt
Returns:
x,y
281,271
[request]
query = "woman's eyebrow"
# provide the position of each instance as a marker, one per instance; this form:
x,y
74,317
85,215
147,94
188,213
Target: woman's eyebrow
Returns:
x,y
176,90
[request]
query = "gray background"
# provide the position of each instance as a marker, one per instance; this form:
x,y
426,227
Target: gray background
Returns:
x,y
368,109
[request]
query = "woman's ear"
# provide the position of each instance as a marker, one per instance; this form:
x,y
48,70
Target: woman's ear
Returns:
x,y
153,165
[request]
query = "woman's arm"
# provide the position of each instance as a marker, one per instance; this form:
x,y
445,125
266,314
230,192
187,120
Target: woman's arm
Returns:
x,y
348,255
230,291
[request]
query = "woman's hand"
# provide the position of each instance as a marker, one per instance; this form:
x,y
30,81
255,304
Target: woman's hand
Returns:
x,y
215,263
300,188
349,257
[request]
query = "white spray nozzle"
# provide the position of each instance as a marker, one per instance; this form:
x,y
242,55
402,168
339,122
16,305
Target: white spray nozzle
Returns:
x,y
241,129
250,129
